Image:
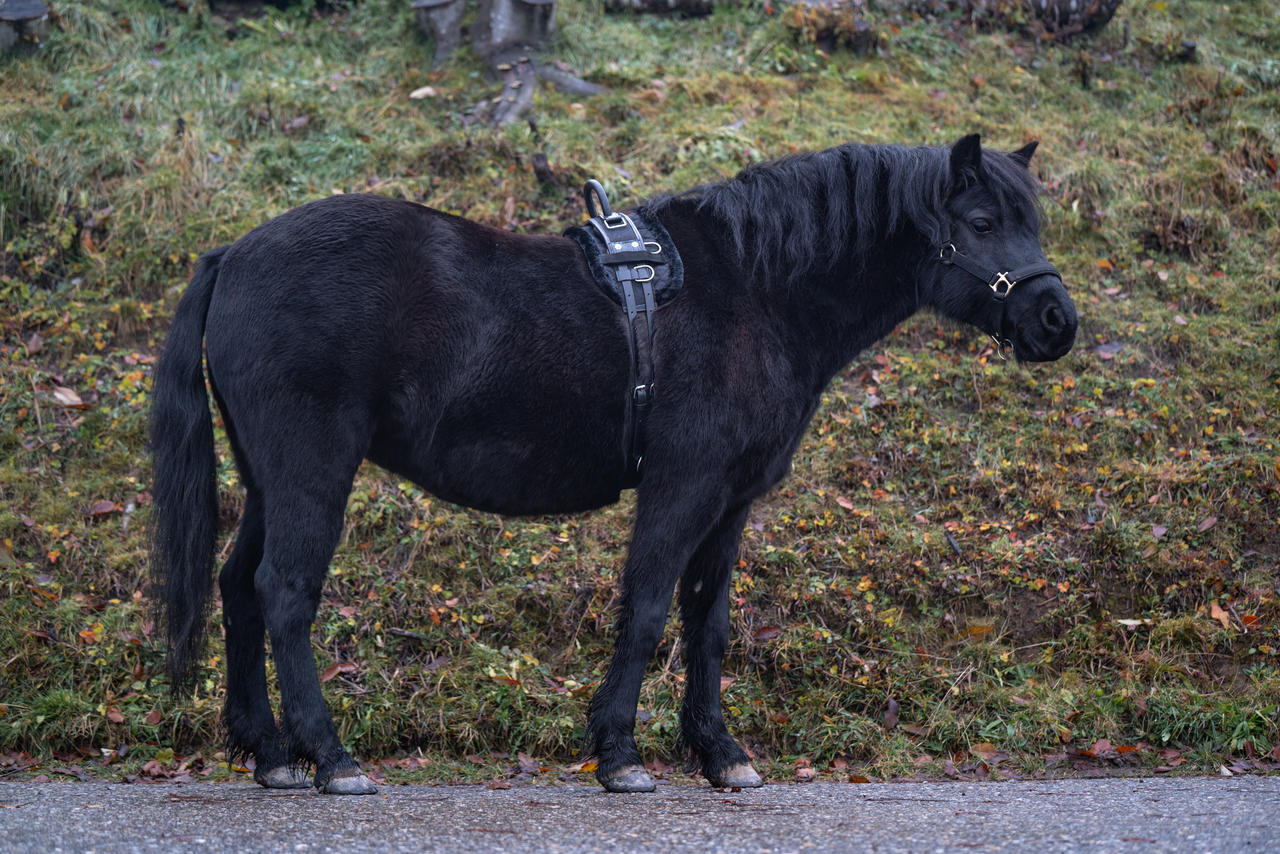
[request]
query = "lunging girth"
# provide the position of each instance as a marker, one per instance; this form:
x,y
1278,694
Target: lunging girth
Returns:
x,y
635,264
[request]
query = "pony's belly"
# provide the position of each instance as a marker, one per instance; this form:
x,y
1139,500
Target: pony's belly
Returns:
x,y
513,477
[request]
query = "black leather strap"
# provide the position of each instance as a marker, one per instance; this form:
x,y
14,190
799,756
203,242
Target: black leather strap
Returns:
x,y
631,259
1000,283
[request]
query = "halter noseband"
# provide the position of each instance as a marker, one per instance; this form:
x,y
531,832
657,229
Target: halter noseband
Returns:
x,y
1000,283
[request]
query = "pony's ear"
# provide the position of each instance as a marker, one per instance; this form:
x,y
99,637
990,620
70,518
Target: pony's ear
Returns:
x,y
1023,155
966,157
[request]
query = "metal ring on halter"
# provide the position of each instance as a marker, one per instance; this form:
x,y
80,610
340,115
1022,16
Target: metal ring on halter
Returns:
x,y
1002,279
657,247
597,202
947,252
648,278
1002,344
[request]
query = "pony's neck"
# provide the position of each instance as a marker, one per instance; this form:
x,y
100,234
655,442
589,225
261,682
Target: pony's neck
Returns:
x,y
835,314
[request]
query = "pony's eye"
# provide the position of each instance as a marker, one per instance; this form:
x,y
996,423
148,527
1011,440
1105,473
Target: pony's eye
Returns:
x,y
981,226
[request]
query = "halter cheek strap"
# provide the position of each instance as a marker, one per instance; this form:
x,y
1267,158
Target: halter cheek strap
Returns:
x,y
1000,283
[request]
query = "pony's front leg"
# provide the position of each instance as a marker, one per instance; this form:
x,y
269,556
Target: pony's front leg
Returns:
x,y
668,528
704,612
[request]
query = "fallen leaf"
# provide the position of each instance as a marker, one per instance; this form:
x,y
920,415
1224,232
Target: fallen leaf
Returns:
x,y
858,778
153,717
844,502
767,633
423,92
115,716
103,507
1208,523
1216,612
34,344
68,398
497,784
1105,264
984,750
804,775
1109,350
891,714
1180,320
334,669
1158,531
527,764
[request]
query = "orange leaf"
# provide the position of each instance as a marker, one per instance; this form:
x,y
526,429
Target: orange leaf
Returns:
x,y
844,502
984,750
153,717
858,778
1105,264
334,669
767,633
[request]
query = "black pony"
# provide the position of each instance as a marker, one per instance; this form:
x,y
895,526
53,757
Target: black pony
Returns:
x,y
489,368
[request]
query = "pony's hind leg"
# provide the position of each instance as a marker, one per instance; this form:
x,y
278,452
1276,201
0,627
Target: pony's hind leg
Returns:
x,y
303,524
704,611
251,729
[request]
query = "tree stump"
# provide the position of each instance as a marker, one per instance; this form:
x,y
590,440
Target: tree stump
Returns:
x,y
22,20
832,23
509,34
1065,18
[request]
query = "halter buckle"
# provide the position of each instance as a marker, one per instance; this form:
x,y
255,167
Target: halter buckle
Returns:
x,y
1002,285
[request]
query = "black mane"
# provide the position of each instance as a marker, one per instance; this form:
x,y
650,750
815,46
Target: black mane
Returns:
x,y
800,214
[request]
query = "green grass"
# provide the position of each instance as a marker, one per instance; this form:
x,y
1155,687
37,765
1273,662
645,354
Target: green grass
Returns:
x,y
1024,556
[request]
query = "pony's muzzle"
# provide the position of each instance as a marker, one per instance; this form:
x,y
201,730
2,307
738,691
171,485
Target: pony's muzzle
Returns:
x,y
1048,330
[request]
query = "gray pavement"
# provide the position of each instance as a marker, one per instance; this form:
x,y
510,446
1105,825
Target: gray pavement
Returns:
x,y
1145,815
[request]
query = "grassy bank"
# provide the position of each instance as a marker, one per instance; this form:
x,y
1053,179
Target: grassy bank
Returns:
x,y
1023,559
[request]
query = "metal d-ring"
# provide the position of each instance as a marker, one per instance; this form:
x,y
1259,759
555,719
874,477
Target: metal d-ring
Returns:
x,y
597,201
648,278
947,252
657,247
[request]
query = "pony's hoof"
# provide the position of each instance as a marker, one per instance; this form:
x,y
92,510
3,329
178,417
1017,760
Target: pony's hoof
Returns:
x,y
633,778
354,784
284,777
740,776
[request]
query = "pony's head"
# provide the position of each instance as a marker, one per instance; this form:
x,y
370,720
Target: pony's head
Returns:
x,y
988,268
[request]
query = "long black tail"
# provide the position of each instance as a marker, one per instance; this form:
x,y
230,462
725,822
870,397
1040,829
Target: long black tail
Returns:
x,y
184,488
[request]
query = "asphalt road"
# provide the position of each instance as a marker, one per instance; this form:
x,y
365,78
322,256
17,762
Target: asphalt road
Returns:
x,y
1144,815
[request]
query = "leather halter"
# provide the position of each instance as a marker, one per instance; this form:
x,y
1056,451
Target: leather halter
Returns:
x,y
1001,285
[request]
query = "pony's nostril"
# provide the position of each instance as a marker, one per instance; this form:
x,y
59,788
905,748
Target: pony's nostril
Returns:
x,y
1052,319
